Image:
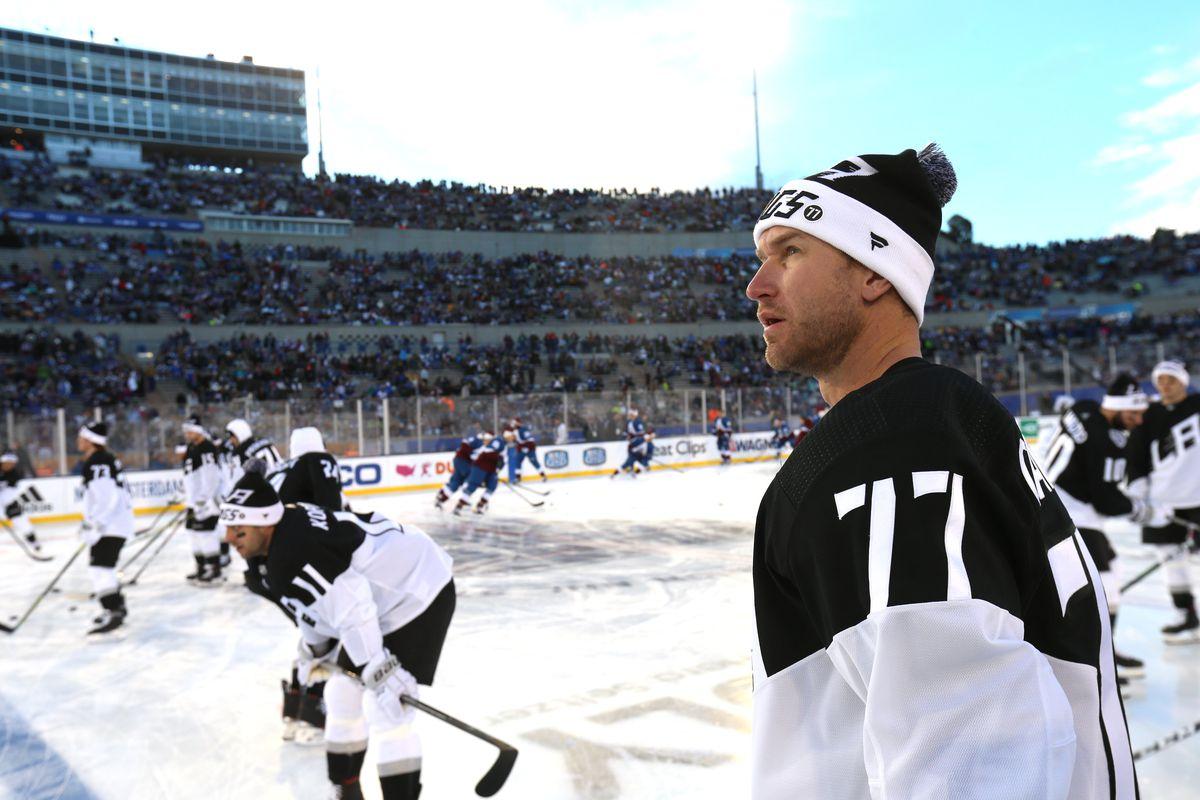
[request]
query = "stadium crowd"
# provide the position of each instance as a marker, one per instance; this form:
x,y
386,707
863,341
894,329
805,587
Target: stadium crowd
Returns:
x,y
154,278
175,190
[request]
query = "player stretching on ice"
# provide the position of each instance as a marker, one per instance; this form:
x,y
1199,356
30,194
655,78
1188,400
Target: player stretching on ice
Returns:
x,y
525,448
107,523
462,468
10,476
1086,461
929,623
486,460
722,428
373,600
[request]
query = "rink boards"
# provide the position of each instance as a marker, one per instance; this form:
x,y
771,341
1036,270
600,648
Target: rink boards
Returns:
x,y
58,499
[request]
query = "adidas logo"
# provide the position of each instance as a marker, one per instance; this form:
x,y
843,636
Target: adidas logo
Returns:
x,y
878,241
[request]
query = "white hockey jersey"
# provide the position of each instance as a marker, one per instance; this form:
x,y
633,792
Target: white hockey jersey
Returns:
x,y
107,505
202,480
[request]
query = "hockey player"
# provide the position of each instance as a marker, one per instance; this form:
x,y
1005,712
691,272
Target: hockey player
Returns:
x,y
310,476
1164,466
635,443
10,502
246,446
486,461
722,428
1086,461
372,598
462,468
202,490
928,622
781,435
107,523
524,449
640,451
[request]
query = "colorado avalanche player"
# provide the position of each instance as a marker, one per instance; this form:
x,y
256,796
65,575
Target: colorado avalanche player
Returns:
x,y
781,435
485,462
524,448
640,447
462,468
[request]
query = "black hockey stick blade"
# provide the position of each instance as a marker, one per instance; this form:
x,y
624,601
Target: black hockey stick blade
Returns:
x,y
493,780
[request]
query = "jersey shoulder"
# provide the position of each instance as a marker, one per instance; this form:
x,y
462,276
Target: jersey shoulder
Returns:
x,y
915,407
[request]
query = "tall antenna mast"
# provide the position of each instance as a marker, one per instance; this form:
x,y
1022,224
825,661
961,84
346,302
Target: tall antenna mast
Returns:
x,y
320,129
758,178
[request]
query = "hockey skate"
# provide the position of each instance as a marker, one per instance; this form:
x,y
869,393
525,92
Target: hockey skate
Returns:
x,y
1129,667
211,575
441,498
196,574
458,508
1185,631
481,506
106,623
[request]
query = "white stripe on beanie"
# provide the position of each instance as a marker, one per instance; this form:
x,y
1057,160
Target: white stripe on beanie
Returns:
x,y
92,436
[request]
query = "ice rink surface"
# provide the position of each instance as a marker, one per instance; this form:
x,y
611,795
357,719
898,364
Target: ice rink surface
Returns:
x,y
605,634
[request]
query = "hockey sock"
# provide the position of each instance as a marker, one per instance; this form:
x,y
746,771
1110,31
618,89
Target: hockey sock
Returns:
x,y
401,787
344,767
291,698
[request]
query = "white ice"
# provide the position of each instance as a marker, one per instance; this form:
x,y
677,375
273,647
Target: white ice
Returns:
x,y
606,634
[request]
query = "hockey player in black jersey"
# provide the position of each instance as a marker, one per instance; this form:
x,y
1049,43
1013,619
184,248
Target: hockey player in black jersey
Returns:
x,y
372,598
10,502
1087,461
107,523
311,476
1164,467
240,446
929,623
202,490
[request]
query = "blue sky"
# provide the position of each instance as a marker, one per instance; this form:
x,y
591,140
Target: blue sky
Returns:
x,y
1064,121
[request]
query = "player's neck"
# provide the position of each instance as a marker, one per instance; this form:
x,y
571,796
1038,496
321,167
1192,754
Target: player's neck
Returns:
x,y
873,353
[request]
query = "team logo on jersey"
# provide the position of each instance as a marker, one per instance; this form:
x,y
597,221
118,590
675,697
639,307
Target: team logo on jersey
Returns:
x,y
555,459
594,456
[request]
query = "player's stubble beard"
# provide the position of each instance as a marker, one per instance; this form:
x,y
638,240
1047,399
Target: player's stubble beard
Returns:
x,y
818,340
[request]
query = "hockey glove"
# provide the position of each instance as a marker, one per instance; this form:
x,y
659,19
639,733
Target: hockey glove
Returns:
x,y
312,660
89,534
388,680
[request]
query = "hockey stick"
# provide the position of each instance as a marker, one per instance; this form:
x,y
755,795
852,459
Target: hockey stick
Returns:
x,y
524,488
534,504
1168,740
25,546
151,540
493,780
178,524
665,464
13,628
154,522
1180,550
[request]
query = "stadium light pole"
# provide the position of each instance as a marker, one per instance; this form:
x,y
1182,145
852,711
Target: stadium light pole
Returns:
x,y
320,129
758,176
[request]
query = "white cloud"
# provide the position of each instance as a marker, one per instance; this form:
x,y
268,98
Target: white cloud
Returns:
x,y
1164,146
1116,153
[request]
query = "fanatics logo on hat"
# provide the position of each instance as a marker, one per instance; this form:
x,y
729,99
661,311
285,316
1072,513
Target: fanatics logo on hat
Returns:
x,y
850,168
877,240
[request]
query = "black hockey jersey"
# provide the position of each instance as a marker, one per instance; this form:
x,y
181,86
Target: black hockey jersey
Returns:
x,y
11,477
312,478
261,448
352,577
1086,460
107,504
929,623
1163,453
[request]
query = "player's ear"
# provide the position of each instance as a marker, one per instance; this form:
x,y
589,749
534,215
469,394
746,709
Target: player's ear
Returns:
x,y
873,286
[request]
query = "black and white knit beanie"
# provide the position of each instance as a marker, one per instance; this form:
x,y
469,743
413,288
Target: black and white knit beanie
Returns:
x,y
192,425
884,211
253,502
1125,395
95,432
